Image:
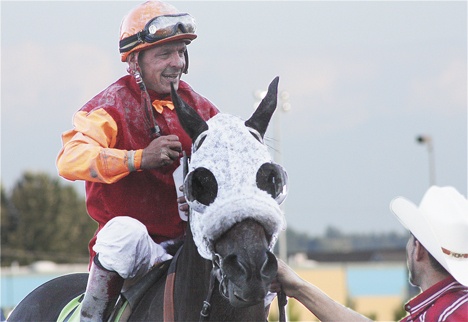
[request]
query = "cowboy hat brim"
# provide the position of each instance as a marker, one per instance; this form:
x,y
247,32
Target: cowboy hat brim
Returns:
x,y
431,227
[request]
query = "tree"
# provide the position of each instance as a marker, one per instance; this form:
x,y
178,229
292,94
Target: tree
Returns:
x,y
8,221
44,220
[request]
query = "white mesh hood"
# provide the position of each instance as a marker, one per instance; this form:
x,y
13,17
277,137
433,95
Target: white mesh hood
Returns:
x,y
234,156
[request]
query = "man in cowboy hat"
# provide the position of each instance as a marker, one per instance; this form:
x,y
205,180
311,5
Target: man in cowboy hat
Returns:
x,y
437,259
126,143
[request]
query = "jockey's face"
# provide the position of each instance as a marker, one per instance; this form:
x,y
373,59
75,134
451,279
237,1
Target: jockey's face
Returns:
x,y
162,65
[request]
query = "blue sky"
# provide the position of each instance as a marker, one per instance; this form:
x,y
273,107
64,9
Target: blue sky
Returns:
x,y
364,78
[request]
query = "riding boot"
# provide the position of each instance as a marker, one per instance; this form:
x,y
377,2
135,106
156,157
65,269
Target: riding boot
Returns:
x,y
102,292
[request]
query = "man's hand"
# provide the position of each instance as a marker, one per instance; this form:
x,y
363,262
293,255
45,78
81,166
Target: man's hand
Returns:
x,y
286,280
161,151
183,205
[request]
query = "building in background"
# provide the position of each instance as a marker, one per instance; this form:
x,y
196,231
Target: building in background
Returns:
x,y
19,281
373,283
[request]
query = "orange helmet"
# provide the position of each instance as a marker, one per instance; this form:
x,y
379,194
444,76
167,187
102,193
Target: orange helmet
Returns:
x,y
153,23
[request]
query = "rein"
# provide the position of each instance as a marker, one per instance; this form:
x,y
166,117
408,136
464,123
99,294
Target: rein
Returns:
x,y
282,301
168,308
206,309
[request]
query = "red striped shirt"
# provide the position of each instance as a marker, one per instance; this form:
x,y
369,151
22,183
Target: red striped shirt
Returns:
x,y
444,301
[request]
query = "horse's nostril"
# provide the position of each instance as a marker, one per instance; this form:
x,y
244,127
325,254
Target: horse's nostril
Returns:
x,y
234,268
270,266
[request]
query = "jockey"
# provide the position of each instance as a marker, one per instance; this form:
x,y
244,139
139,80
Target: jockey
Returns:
x,y
125,144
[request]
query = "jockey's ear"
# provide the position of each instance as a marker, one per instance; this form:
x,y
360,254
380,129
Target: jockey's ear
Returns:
x,y
191,122
262,115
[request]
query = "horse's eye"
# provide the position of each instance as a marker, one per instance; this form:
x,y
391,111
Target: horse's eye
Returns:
x,y
272,178
200,188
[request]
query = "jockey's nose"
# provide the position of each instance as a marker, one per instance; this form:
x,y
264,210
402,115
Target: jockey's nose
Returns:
x,y
177,60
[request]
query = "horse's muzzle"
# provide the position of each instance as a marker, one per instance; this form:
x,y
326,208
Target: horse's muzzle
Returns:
x,y
243,285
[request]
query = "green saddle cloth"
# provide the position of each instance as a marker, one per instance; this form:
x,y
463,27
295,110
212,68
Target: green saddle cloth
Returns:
x,y
71,312
127,300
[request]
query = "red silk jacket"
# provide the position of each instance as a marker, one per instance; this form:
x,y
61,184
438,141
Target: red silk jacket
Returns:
x,y
105,147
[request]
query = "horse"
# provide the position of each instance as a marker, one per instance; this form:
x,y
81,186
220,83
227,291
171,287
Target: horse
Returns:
x,y
223,270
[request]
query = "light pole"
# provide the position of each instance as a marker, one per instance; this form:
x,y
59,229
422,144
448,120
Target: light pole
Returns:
x,y
284,106
427,140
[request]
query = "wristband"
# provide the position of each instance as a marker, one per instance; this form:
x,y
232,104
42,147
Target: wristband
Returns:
x,y
131,161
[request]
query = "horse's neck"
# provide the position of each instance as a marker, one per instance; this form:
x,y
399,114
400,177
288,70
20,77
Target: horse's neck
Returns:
x,y
190,287
191,256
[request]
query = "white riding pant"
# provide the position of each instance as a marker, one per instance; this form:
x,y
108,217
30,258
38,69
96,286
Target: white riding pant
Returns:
x,y
124,246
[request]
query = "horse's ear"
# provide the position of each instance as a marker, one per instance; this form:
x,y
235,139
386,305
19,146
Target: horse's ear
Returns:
x,y
192,123
262,115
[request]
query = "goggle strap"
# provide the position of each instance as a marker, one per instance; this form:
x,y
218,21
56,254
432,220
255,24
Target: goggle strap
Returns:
x,y
131,42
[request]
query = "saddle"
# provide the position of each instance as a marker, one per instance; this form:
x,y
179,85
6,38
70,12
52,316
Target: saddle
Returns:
x,y
129,298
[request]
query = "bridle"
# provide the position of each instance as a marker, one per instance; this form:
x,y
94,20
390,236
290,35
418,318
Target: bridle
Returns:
x,y
218,274
206,308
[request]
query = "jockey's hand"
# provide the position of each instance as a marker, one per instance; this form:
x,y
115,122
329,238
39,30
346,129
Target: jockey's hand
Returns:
x,y
162,151
183,205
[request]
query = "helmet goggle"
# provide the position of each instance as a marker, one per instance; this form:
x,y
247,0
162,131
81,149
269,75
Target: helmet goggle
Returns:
x,y
159,28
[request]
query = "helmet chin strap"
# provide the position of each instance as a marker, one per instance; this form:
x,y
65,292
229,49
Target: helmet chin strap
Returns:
x,y
186,61
134,70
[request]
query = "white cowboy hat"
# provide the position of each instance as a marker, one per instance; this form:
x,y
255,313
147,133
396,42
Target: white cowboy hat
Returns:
x,y
440,223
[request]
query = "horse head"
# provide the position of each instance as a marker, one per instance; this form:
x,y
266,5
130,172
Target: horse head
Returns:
x,y
234,190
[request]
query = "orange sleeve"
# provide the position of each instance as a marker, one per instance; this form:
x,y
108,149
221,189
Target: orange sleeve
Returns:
x,y
88,154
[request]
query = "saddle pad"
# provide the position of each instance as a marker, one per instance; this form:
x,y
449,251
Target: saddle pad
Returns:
x,y
127,300
71,312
